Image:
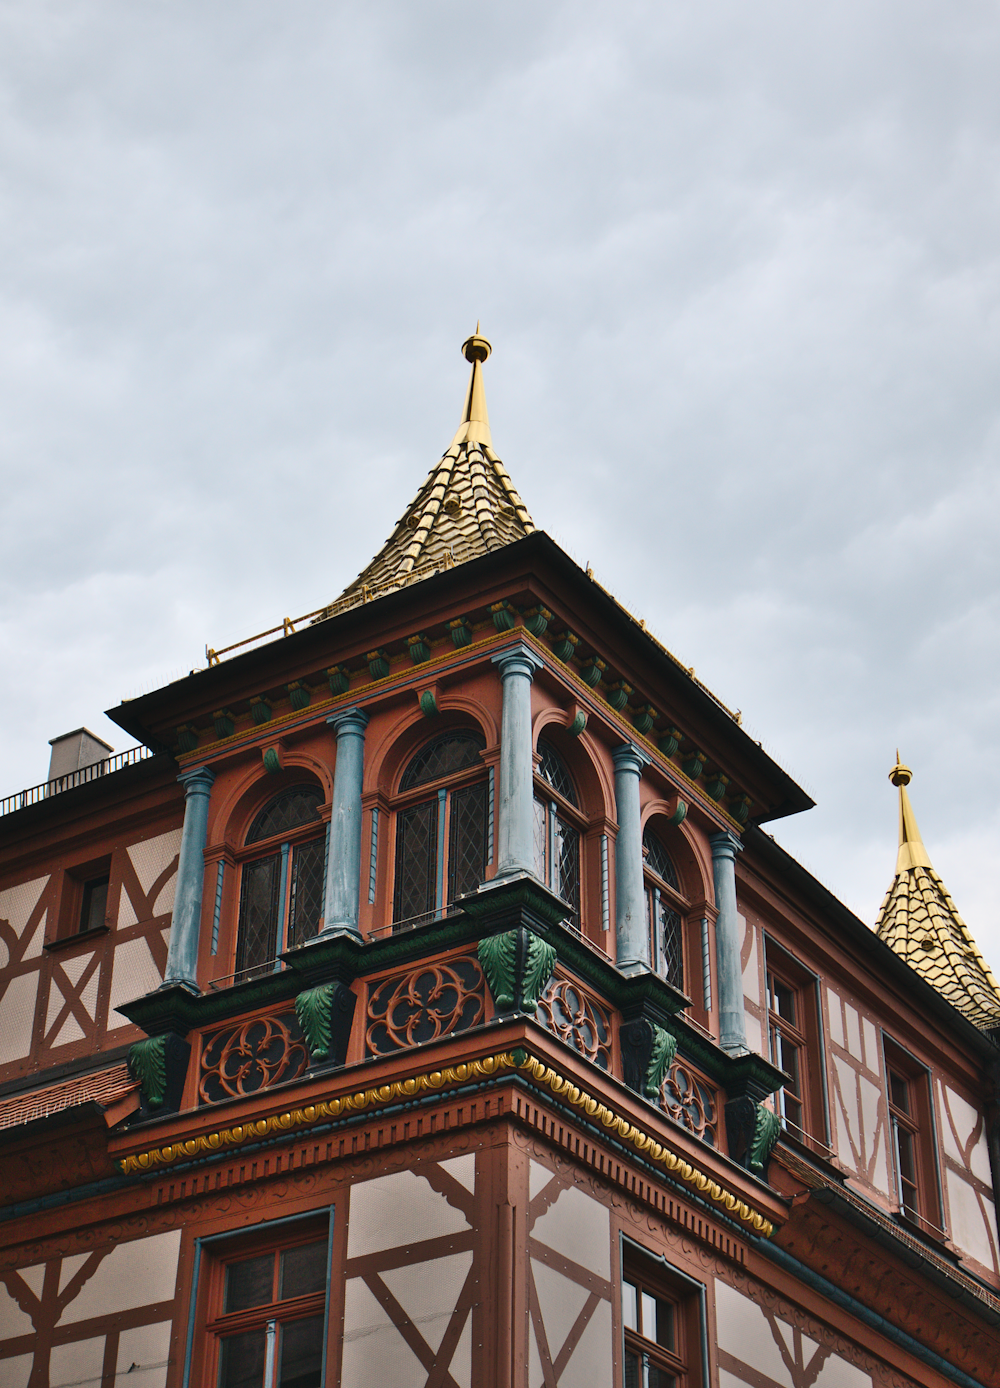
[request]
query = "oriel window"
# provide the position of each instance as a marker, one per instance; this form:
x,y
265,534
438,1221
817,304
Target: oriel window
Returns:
x,y
664,912
441,827
557,837
281,894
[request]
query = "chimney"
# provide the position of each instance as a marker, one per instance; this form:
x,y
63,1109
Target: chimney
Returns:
x,y
74,750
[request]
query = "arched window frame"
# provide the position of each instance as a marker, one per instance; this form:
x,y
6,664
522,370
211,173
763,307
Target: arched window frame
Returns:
x,y
559,824
444,794
297,859
664,897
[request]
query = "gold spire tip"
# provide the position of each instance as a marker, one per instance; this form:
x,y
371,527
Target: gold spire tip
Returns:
x,y
900,775
476,348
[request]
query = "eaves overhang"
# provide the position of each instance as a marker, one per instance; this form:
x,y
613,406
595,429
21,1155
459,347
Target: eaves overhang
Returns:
x,y
536,557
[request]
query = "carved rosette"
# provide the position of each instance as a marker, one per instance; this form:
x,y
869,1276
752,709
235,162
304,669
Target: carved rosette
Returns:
x,y
250,1056
577,1019
425,1004
689,1100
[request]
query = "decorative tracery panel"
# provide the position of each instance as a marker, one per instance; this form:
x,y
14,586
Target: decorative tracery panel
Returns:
x,y
576,1018
251,1055
691,1101
424,1004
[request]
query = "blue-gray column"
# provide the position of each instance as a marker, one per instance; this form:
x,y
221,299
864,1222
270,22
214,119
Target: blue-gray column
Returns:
x,y
732,1024
630,907
343,868
515,850
182,956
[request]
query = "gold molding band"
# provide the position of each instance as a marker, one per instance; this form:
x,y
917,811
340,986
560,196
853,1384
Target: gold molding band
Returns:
x,y
381,1095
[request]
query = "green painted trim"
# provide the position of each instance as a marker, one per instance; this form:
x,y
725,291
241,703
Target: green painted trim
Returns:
x,y
428,703
498,957
766,1129
578,724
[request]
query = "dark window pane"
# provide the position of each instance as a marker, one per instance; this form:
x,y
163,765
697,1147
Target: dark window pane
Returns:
x,y
671,944
250,1282
95,904
633,1370
467,839
303,1270
259,913
659,861
306,902
301,1359
567,859
658,1320
289,810
660,1378
416,861
899,1092
241,1360
552,768
444,756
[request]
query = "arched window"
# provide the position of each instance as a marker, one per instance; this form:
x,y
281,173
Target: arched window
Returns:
x,y
664,904
441,826
281,894
557,838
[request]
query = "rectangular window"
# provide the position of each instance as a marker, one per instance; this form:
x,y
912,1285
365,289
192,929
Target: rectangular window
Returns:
x,y
95,903
264,1308
795,1044
911,1125
663,1325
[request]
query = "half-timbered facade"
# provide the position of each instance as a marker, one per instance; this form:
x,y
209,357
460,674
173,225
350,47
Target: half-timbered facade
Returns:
x,y
424,1002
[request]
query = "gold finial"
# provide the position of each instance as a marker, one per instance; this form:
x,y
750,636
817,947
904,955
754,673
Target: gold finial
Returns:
x,y
476,348
900,775
475,425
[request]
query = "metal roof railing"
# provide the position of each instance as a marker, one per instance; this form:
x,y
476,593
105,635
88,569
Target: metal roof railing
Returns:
x,y
35,794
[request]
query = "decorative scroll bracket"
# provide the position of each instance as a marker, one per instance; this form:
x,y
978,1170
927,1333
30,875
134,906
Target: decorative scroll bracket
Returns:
x,y
517,964
325,1015
160,1064
752,1131
648,1052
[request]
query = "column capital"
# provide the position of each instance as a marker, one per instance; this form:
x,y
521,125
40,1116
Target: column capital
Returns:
x,y
348,720
197,780
517,660
629,757
725,845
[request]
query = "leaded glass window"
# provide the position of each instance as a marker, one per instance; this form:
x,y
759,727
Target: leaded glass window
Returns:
x,y
664,923
441,843
556,838
281,893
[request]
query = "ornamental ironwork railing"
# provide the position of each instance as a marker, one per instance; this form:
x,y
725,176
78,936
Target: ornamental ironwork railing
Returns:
x,y
35,794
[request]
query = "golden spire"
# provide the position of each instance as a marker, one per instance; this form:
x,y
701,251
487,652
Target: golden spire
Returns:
x,y
920,922
475,425
467,506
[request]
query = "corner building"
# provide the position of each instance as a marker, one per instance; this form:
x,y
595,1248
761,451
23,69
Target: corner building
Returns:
x,y
422,1003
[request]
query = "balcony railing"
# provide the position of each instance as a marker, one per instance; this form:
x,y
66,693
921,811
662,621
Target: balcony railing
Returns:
x,y
34,794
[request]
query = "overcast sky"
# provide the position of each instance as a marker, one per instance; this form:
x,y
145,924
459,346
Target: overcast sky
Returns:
x,y
740,265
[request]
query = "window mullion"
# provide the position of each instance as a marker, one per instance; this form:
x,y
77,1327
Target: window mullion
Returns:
x,y
550,829
439,880
270,1353
282,925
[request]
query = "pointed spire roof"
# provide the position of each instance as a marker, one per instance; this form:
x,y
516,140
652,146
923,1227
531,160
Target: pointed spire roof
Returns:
x,y
467,506
920,922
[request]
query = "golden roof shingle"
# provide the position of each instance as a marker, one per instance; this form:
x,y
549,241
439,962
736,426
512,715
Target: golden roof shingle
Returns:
x,y
467,506
920,922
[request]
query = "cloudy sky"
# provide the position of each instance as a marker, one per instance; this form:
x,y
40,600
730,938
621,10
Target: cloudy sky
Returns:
x,y
740,264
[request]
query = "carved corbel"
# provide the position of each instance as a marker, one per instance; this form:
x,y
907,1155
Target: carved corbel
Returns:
x,y
325,1015
160,1064
518,964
